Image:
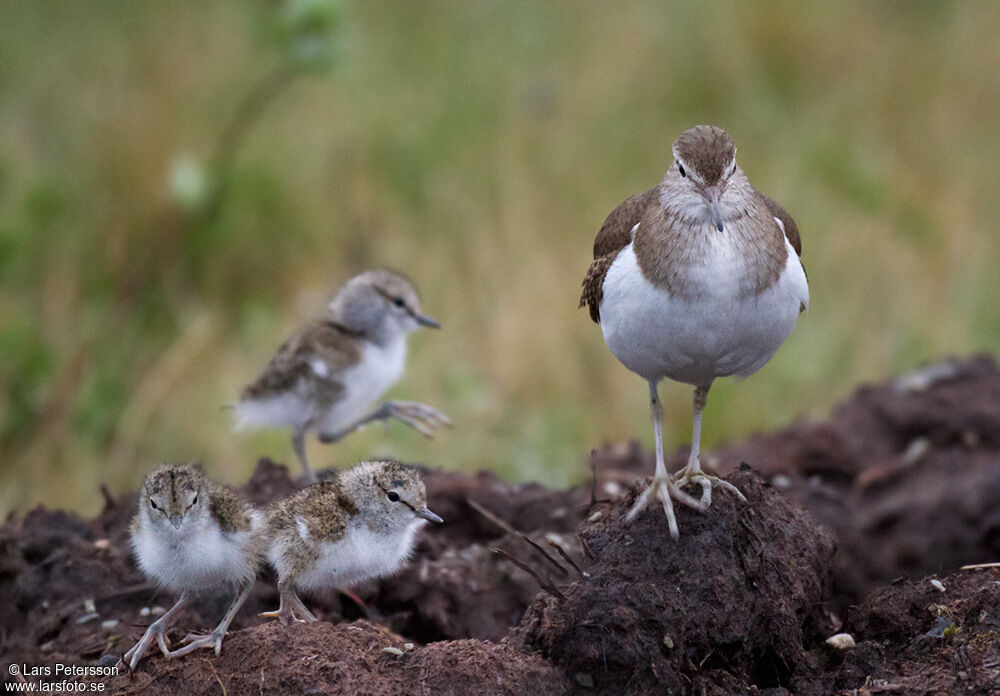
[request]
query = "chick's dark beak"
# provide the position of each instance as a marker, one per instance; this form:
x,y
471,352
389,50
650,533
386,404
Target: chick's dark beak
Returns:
x,y
176,520
425,320
428,515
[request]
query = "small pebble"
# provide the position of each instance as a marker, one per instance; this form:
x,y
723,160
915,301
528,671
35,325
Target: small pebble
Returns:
x,y
781,482
938,585
668,641
393,651
102,544
157,611
109,624
109,660
916,450
144,611
88,617
841,641
942,624
596,516
407,646
88,606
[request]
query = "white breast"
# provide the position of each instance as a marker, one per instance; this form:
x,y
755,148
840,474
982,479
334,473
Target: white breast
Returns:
x,y
189,559
725,330
362,554
379,368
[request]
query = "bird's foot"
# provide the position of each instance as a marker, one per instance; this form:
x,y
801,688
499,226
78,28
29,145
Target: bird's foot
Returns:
x,y
692,474
663,489
286,615
156,633
196,641
425,419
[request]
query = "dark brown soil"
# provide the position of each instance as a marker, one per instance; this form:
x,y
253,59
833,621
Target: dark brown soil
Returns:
x,y
903,480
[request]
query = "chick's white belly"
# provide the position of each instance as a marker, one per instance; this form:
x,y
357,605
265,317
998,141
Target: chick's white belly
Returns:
x,y
363,383
362,554
181,563
725,331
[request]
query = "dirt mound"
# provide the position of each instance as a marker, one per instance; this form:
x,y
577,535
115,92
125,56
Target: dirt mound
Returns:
x,y
919,639
732,602
906,474
345,659
904,477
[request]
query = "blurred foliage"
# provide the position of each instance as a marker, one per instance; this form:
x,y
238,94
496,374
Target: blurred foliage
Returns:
x,y
182,183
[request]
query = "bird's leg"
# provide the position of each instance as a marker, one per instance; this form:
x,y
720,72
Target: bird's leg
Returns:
x,y
156,632
290,607
299,445
692,473
299,609
423,418
661,486
214,639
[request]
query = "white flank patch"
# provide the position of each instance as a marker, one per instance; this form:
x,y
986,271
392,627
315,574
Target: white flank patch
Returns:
x,y
303,528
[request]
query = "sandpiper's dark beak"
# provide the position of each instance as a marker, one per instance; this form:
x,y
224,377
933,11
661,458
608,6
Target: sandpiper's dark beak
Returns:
x,y
428,515
425,320
176,520
712,195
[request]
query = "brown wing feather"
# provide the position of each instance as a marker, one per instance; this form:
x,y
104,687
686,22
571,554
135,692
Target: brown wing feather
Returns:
x,y
614,235
791,229
322,340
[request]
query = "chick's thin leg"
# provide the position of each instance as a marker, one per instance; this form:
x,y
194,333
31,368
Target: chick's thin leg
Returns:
x,y
299,445
156,633
214,639
425,419
290,607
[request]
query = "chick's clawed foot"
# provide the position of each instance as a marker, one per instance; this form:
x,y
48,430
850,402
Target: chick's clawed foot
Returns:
x,y
290,609
156,633
663,489
425,419
195,641
692,474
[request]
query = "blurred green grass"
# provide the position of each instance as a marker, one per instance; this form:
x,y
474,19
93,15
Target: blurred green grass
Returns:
x,y
478,147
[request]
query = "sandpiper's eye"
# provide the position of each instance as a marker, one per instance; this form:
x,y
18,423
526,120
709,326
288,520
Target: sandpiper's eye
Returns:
x,y
393,496
153,504
399,302
680,168
193,502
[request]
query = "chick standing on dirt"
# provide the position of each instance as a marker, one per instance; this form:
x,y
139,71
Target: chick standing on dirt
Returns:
x,y
192,534
341,531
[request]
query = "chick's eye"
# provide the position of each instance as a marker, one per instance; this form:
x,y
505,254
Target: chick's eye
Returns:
x,y
398,302
680,168
193,502
153,504
393,496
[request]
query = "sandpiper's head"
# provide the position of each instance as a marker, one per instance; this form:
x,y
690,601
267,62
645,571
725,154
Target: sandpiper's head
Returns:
x,y
388,494
701,174
381,303
173,498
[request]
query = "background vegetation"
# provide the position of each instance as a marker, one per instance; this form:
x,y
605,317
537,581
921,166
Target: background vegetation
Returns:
x,y
158,240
